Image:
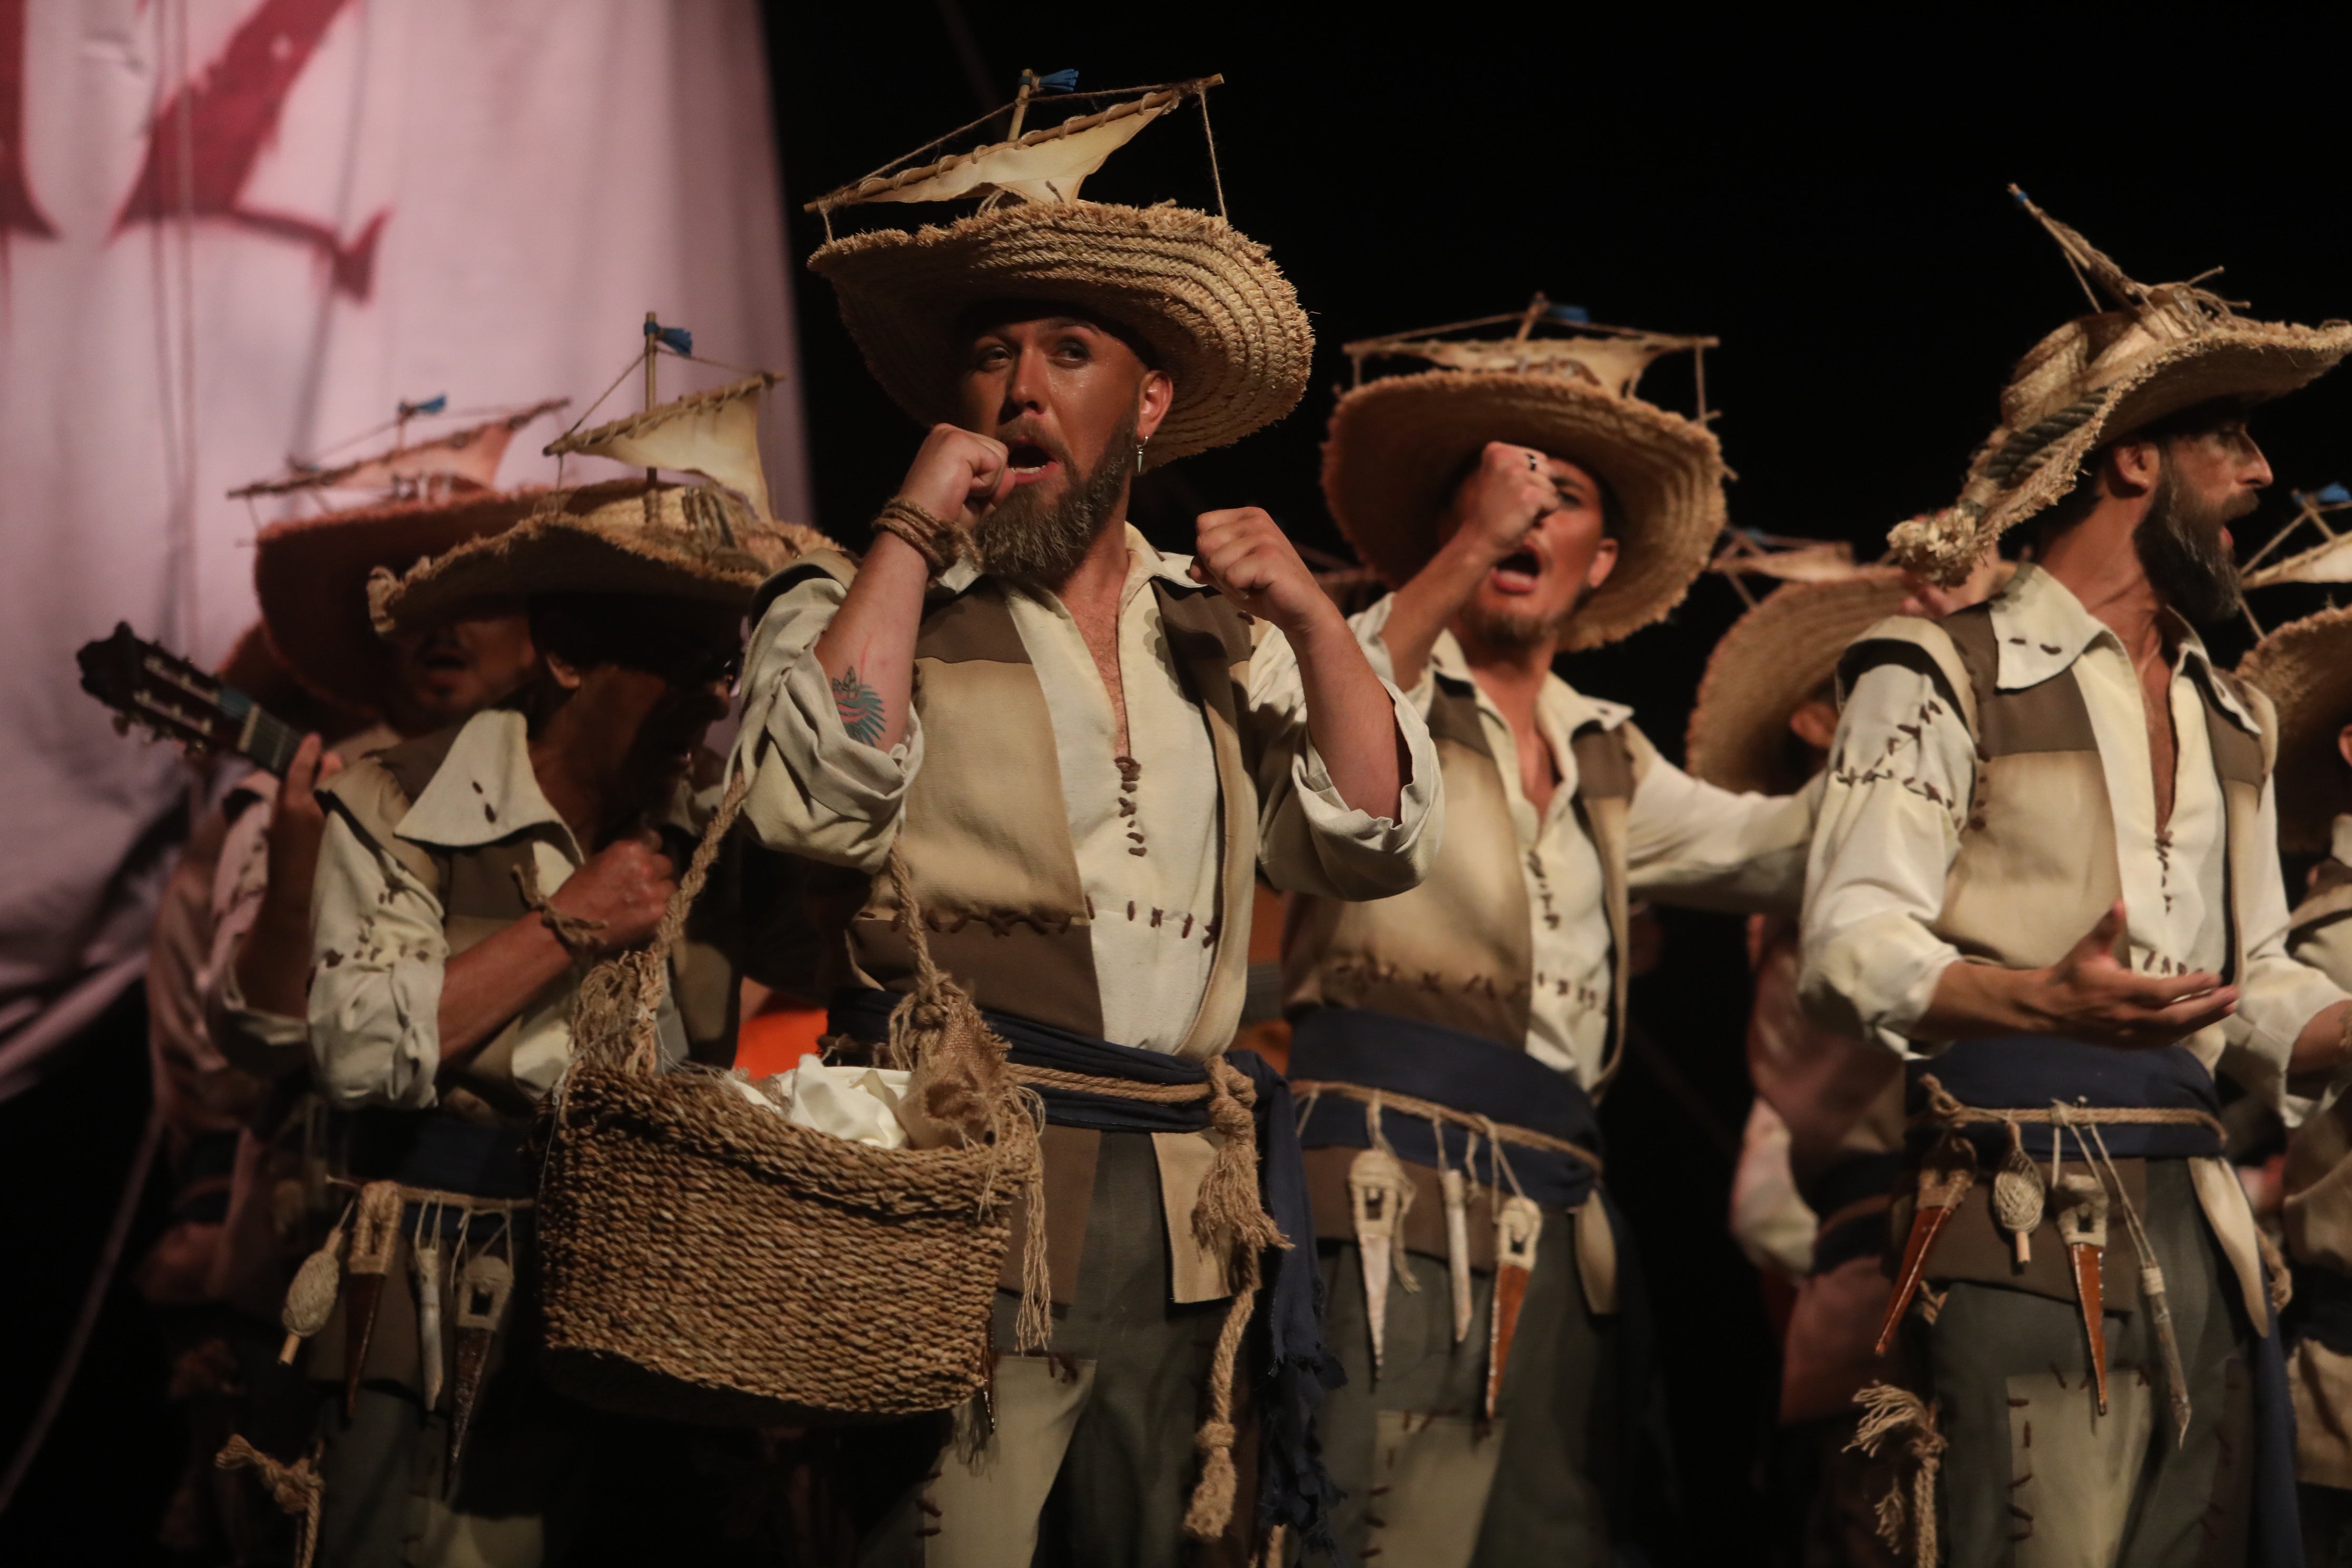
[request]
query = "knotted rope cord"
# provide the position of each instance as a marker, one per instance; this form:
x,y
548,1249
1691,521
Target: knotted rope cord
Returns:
x,y
1433,1112
297,1488
618,1012
1945,1110
1502,1161
1888,1413
576,932
939,542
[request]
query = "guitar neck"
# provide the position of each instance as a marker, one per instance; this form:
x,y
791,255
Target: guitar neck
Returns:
x,y
264,738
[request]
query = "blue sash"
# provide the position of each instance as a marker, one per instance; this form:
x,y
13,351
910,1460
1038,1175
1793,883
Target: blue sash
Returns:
x,y
2027,1072
1460,1071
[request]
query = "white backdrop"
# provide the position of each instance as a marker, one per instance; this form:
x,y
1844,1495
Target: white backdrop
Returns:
x,y
236,229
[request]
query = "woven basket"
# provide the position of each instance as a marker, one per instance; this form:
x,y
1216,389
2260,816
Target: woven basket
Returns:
x,y
708,1261
704,1261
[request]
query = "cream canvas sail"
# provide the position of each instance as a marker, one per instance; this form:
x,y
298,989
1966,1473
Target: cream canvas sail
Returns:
x,y
1050,171
715,434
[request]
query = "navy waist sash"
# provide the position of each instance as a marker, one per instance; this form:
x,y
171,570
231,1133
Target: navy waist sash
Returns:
x,y
428,1149
2027,1072
1296,1490
1462,1071
865,1015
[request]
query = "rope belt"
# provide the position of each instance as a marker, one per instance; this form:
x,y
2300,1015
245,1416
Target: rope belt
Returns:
x,y
1945,1110
1310,1090
1124,1088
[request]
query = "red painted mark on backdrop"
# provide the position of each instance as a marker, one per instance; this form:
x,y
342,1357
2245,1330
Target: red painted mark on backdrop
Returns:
x,y
228,117
19,214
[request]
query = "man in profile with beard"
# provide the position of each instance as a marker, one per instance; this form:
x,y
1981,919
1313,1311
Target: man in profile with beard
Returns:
x,y
2046,876
1077,753
1452,1041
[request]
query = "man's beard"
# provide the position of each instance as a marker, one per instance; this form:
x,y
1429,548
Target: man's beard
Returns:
x,y
1030,539
1517,632
2180,548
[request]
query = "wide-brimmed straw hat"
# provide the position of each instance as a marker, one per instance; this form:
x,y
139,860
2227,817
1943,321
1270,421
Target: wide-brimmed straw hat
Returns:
x,y
1216,314
1774,658
1399,445
2163,349
625,536
2304,667
311,577
254,668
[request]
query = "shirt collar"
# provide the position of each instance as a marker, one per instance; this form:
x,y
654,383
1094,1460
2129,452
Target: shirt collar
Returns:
x,y
2040,629
1143,560
1561,702
484,790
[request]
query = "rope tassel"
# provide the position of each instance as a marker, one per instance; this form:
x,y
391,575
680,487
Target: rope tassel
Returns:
x,y
1892,1416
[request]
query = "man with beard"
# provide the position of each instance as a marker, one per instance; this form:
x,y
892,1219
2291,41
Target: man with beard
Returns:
x,y
1452,1040
231,961
1078,753
2046,877
467,881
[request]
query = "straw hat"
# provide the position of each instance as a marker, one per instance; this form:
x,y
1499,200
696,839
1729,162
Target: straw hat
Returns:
x,y
2097,379
1399,443
1218,315
2304,667
1773,658
312,576
254,668
625,536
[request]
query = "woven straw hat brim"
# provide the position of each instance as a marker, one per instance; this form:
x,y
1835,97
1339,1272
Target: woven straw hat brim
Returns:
x,y
311,575
1397,444
1772,660
592,540
1218,314
254,668
2306,669
2237,359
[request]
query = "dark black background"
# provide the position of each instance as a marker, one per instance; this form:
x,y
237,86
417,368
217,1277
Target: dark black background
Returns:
x,y
1826,196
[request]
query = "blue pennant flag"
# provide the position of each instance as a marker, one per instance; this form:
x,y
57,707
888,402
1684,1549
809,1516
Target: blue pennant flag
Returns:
x,y
1576,313
1056,81
2333,495
433,404
675,338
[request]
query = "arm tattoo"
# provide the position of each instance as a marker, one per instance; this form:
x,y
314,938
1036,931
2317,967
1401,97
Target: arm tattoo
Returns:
x,y
860,707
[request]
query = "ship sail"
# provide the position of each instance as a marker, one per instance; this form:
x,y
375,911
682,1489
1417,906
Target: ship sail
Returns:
x,y
1049,165
715,434
2328,562
1615,363
463,459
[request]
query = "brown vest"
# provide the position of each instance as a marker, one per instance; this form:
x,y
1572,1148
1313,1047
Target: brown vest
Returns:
x,y
986,833
1457,951
2036,867
479,898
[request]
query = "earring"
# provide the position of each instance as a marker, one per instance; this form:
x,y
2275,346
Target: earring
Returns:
x,y
1138,456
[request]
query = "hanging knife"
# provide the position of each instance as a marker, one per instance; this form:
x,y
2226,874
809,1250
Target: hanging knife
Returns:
x,y
1518,1224
1456,1188
375,1238
2083,1226
1378,1192
482,1290
1944,1178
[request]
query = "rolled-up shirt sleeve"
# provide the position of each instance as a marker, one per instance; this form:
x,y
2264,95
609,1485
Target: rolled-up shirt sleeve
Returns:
x,y
377,956
813,791
2281,991
1900,774
1689,842
268,1045
1309,839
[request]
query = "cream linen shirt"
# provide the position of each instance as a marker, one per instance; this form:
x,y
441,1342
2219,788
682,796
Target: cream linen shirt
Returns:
x,y
1885,846
377,948
817,793
1686,843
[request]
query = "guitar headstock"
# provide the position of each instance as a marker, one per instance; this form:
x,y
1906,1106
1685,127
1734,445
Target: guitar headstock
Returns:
x,y
148,685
